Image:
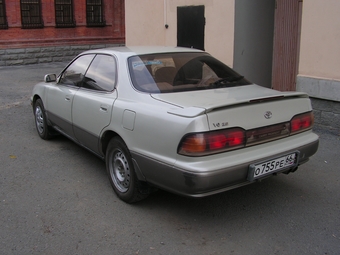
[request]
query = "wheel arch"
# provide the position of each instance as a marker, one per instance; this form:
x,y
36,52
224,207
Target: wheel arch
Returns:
x,y
105,139
104,142
34,99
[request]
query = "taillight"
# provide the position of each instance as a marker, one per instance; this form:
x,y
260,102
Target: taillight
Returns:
x,y
201,144
301,122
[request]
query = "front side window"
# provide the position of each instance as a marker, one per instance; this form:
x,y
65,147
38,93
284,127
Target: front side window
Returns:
x,y
74,74
3,20
64,13
31,14
94,13
176,72
101,75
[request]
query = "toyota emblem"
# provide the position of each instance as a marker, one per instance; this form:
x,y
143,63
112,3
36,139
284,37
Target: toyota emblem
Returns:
x,y
268,114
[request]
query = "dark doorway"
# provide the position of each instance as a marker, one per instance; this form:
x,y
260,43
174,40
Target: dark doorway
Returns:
x,y
190,26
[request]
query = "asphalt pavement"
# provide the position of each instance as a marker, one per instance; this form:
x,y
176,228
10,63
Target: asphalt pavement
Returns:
x,y
55,198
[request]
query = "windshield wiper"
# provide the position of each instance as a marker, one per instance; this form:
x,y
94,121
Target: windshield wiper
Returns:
x,y
223,81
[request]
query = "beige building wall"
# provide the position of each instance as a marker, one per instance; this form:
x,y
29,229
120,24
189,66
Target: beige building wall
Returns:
x,y
146,26
319,67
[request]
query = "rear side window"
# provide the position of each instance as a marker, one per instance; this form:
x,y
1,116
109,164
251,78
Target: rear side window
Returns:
x,y
176,72
101,75
73,75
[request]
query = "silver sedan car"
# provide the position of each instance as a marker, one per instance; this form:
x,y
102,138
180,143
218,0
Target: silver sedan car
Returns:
x,y
175,119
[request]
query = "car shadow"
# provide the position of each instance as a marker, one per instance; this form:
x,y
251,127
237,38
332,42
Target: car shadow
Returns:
x,y
260,199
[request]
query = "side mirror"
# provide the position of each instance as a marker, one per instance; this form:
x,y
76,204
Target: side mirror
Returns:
x,y
50,78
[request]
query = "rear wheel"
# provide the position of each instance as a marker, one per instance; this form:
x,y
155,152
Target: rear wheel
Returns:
x,y
121,173
44,131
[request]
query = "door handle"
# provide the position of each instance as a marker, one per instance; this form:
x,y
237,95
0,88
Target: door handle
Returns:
x,y
103,108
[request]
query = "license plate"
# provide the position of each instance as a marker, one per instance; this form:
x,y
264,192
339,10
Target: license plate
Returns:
x,y
262,169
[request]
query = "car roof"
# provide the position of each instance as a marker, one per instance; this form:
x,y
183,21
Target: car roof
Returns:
x,y
141,50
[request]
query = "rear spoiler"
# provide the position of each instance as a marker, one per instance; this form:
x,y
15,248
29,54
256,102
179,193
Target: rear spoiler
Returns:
x,y
191,112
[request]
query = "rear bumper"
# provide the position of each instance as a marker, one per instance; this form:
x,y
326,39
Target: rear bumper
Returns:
x,y
199,177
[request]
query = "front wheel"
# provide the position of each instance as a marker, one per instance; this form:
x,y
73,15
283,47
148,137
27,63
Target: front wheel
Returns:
x,y
41,121
121,173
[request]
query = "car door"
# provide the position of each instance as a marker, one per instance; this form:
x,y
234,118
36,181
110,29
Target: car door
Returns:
x,y
93,102
59,98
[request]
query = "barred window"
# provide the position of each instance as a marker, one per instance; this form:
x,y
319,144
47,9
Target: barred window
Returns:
x,y
31,14
64,13
94,13
3,20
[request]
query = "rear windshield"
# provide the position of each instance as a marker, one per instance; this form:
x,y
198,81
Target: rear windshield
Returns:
x,y
176,72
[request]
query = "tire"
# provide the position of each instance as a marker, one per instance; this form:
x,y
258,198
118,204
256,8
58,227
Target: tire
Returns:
x,y
44,131
121,173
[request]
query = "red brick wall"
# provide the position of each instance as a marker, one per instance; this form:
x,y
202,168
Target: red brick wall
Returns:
x,y
16,37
